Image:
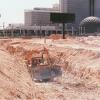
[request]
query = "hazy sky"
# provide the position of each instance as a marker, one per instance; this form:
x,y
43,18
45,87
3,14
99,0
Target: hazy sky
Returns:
x,y
12,11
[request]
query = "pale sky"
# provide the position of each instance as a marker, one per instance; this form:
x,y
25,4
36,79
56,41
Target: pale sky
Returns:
x,y
12,11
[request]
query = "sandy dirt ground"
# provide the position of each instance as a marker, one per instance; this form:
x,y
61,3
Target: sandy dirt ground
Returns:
x,y
79,58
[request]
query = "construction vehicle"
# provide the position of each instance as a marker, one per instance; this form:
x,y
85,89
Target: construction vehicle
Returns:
x,y
43,69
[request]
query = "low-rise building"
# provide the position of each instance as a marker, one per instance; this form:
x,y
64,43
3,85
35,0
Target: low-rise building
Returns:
x,y
38,16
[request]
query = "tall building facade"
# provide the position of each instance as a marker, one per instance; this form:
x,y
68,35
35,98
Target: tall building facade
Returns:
x,y
28,17
81,8
97,8
37,17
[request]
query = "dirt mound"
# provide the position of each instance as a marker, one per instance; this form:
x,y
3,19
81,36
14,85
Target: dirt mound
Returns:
x,y
55,36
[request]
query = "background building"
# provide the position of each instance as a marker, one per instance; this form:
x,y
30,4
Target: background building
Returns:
x,y
97,8
81,8
28,17
38,20
39,16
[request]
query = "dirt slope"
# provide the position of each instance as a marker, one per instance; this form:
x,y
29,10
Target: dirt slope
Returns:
x,y
15,81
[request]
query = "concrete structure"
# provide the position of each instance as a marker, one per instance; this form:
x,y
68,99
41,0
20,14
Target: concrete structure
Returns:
x,y
81,8
38,20
38,16
28,17
15,30
90,24
97,8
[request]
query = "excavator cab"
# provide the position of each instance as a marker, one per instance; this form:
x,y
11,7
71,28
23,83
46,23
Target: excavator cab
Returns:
x,y
36,61
41,59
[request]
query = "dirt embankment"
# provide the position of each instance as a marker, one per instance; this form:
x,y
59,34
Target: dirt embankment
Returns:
x,y
15,81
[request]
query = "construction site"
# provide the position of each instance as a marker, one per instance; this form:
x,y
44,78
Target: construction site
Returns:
x,y
50,68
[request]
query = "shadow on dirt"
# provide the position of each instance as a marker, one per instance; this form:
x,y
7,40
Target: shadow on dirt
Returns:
x,y
47,74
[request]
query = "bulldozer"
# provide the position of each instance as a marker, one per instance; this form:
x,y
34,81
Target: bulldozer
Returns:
x,y
43,68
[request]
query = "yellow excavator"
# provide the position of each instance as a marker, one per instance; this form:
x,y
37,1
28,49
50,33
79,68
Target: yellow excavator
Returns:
x,y
41,59
43,69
